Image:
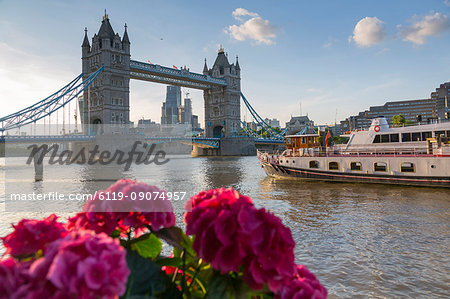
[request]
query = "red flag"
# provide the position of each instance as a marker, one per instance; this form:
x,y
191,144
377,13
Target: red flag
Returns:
x,y
149,61
175,67
326,138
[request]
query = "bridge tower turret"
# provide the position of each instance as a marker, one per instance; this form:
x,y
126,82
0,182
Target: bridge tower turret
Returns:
x,y
106,101
222,104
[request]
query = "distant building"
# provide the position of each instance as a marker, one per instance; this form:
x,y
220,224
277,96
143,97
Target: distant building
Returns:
x,y
185,112
170,108
442,97
410,109
195,124
436,107
252,125
274,123
145,122
298,123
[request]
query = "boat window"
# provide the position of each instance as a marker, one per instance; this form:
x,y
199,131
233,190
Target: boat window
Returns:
x,y
355,166
394,138
448,133
288,140
384,138
333,166
406,137
376,139
426,135
379,166
407,167
416,136
313,164
439,133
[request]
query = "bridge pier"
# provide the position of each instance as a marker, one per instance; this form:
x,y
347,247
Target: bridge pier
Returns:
x,y
38,167
229,146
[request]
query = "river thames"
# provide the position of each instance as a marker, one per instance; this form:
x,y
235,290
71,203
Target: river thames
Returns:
x,y
361,241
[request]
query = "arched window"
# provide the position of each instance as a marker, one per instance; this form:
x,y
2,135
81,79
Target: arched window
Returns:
x,y
313,164
407,167
333,166
379,166
355,166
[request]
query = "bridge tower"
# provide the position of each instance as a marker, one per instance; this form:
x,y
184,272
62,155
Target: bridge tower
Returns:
x,y
106,101
222,104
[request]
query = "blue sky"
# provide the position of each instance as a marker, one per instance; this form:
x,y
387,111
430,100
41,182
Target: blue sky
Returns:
x,y
346,55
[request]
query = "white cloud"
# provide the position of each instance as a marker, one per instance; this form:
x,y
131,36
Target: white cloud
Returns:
x,y
447,2
255,28
239,12
430,25
368,32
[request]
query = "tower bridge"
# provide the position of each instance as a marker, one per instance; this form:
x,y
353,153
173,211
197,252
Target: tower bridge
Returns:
x,y
107,101
106,72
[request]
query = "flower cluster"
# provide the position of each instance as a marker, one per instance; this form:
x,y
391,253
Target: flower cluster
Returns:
x,y
12,277
230,232
80,265
30,236
140,205
213,221
271,249
303,285
80,259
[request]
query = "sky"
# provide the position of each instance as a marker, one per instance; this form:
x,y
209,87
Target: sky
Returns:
x,y
328,59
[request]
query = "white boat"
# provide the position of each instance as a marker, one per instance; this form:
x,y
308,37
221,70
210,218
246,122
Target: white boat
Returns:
x,y
412,155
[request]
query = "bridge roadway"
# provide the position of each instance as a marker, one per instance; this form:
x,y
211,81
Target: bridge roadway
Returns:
x,y
198,141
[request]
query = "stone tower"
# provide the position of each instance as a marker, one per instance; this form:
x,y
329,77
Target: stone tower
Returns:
x,y
222,104
106,101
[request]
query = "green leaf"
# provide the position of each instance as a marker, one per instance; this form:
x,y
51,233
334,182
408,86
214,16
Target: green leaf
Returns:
x,y
146,279
172,235
149,248
170,261
225,286
221,286
115,234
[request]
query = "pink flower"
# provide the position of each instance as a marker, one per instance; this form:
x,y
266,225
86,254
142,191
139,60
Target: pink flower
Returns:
x,y
8,278
230,232
100,222
137,206
82,265
213,220
303,285
271,244
29,236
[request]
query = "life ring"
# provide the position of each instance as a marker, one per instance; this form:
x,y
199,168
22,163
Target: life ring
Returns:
x,y
377,129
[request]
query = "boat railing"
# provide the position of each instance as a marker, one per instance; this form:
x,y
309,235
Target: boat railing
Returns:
x,y
333,151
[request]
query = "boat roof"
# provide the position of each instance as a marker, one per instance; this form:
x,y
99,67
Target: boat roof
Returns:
x,y
304,135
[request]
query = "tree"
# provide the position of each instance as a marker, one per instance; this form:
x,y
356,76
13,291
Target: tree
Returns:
x,y
398,120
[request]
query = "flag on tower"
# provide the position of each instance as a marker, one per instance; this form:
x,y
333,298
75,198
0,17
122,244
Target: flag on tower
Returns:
x,y
175,67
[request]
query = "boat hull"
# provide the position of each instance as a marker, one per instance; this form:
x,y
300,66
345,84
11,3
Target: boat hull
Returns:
x,y
276,170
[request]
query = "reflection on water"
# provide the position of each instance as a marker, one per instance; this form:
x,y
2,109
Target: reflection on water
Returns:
x,y
361,240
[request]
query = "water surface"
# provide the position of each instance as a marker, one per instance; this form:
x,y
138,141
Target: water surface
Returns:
x,y
362,241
